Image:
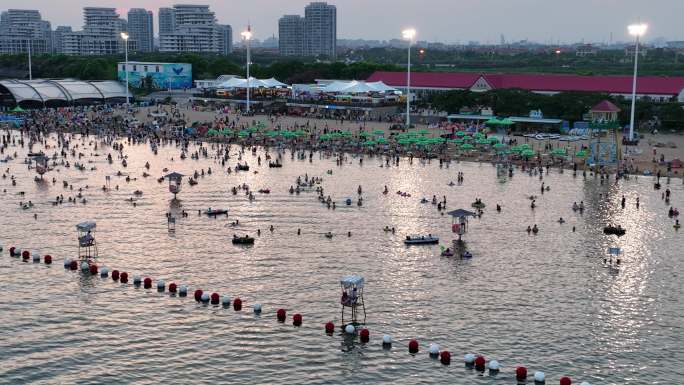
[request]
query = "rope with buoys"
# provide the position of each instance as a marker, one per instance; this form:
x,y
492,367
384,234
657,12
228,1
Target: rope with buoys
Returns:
x,y
472,361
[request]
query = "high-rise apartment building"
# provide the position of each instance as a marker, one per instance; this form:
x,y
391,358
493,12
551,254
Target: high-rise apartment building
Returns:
x,y
21,28
195,30
100,35
291,35
58,38
225,36
313,35
141,28
166,21
321,29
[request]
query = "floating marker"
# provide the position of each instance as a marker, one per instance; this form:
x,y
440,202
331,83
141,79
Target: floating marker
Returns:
x,y
297,320
48,259
445,358
257,308
280,315
183,290
413,346
538,376
104,271
349,329
124,277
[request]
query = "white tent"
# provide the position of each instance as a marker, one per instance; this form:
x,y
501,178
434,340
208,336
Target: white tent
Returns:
x,y
242,83
273,83
357,87
336,86
382,87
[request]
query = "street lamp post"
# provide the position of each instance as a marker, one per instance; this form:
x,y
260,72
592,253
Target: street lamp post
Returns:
x,y
29,58
636,30
124,36
408,34
247,35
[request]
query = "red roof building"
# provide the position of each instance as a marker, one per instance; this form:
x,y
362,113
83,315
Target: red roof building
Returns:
x,y
659,88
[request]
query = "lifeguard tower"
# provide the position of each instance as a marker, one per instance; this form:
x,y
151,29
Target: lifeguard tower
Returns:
x,y
604,119
352,297
175,180
459,225
41,165
87,246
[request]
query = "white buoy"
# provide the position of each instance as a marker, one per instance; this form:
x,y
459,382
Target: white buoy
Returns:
x,y
160,284
349,329
469,358
387,339
85,266
136,280
205,297
257,308
35,256
494,365
67,262
225,301
539,377
434,349
17,253
104,271
183,290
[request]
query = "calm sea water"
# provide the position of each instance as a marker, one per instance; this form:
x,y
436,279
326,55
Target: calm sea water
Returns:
x,y
542,301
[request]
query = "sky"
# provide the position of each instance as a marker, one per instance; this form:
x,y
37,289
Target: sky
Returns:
x,y
449,21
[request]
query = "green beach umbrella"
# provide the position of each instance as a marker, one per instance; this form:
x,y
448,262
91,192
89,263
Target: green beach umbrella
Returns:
x,y
467,146
499,145
424,132
378,132
527,153
460,133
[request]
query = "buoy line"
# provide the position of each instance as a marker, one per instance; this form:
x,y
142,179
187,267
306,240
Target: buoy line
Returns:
x,y
471,361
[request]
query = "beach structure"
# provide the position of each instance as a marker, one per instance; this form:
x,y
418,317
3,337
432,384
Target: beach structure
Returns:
x,y
352,299
459,225
87,246
175,180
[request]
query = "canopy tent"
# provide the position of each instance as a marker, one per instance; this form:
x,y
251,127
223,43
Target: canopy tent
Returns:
x,y
253,83
461,213
357,87
17,109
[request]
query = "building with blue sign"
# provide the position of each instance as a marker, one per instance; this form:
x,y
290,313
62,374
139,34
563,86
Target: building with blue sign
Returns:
x,y
161,75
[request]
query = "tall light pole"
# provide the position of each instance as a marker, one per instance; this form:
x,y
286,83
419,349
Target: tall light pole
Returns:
x,y
124,36
247,35
636,30
29,58
408,34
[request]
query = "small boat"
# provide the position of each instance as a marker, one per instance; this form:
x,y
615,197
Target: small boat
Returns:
x,y
478,205
612,230
242,167
138,192
265,191
213,213
421,240
348,201
466,255
447,253
246,240
274,165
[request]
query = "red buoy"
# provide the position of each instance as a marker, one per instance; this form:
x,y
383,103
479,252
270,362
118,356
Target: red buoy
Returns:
x,y
48,259
237,304
297,320
364,335
280,314
214,298
521,373
445,357
12,250
115,275
25,254
479,363
172,287
93,269
123,277
73,265
565,381
329,328
413,346
198,295
147,282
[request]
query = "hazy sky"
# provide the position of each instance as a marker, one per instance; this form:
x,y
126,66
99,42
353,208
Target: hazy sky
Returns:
x,y
436,20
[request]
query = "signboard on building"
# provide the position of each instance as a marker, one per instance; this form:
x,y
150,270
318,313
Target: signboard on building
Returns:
x,y
160,75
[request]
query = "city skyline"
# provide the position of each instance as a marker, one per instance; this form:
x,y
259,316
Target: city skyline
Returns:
x,y
436,20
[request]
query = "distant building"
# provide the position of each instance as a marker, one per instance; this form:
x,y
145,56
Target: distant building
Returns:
x,y
676,44
166,21
585,50
321,29
162,75
58,38
291,35
20,28
629,51
194,30
141,28
225,36
313,35
101,34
